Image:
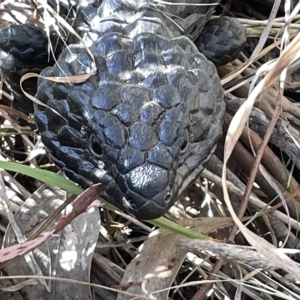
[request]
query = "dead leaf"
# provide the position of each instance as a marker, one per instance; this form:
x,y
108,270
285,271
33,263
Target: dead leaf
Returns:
x,y
66,254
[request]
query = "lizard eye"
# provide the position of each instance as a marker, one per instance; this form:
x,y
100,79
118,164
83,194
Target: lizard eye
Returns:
x,y
185,142
95,146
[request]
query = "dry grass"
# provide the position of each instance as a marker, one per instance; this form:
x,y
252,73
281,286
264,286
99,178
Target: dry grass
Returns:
x,y
253,177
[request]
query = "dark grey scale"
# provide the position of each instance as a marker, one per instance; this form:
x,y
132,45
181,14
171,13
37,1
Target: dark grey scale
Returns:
x,y
144,41
45,91
148,180
186,45
41,120
136,96
50,140
174,56
60,107
70,156
80,68
82,181
104,119
125,113
142,136
88,170
160,156
107,77
145,58
70,137
68,62
100,66
167,127
221,40
183,10
201,128
139,180
151,112
98,26
55,121
76,121
46,72
156,79
116,135
31,50
111,154
61,70
145,50
79,103
132,77
86,87
111,42
24,49
129,158
150,19
106,97
178,77
119,62
196,77
167,96
59,163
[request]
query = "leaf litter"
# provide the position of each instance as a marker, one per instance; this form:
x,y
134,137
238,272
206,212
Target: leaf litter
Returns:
x,y
149,269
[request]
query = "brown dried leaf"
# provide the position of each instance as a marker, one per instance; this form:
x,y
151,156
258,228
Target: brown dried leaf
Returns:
x,y
67,79
66,254
161,257
235,129
155,267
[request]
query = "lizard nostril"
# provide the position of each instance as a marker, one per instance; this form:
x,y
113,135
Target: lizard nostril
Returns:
x,y
131,203
168,198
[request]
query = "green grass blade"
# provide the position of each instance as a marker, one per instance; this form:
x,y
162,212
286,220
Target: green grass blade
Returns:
x,y
60,181
48,177
164,223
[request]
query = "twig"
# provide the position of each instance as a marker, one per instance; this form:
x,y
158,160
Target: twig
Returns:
x,y
253,173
